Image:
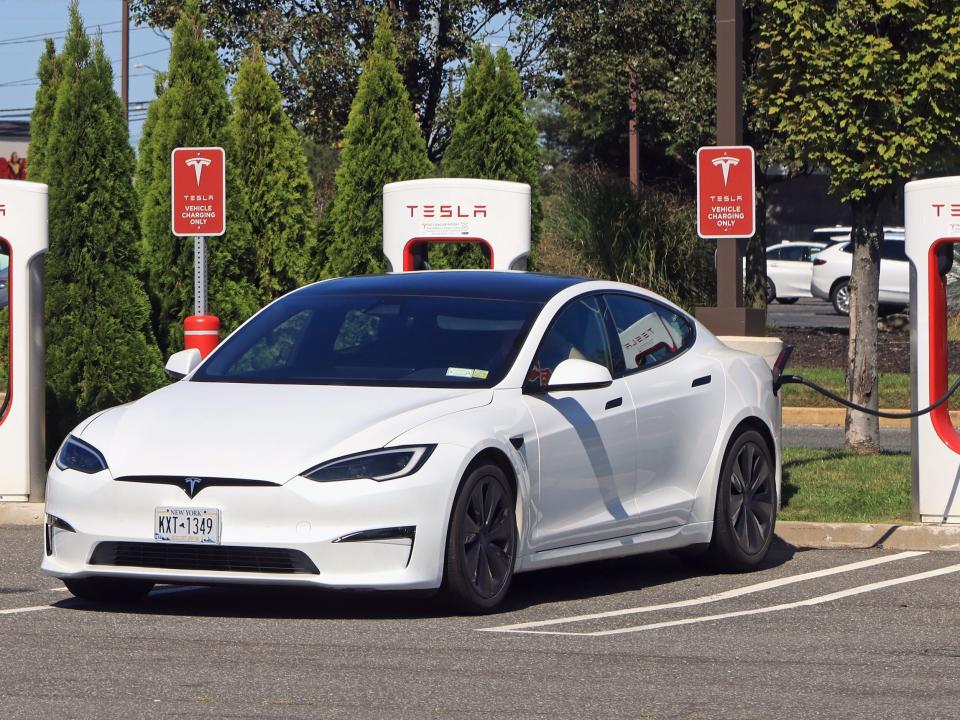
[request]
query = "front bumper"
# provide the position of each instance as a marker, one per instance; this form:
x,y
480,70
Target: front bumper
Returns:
x,y
302,516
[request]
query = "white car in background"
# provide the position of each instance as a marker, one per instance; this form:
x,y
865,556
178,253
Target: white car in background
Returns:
x,y
424,430
789,270
832,268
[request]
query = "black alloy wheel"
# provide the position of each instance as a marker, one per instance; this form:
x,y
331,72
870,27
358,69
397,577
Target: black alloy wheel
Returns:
x,y
770,290
482,542
746,509
840,297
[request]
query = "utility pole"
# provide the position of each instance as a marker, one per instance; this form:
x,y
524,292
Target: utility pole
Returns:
x,y
730,317
125,59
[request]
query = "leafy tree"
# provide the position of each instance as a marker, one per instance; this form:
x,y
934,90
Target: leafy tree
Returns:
x,y
592,48
272,169
315,47
866,90
192,111
100,350
382,144
494,139
49,72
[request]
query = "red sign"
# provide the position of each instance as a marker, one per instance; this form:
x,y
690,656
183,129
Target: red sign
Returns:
x,y
726,201
198,191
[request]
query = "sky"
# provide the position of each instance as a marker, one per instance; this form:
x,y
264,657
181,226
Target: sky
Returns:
x,y
25,23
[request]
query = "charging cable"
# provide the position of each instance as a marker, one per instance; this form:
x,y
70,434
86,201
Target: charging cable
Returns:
x,y
797,380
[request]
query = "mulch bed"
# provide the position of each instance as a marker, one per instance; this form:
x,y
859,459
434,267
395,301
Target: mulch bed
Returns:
x,y
827,347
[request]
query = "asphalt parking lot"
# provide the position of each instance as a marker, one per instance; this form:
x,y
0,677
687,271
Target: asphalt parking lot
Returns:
x,y
838,633
807,313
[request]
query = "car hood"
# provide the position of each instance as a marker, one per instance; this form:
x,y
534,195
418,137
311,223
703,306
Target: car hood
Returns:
x,y
261,432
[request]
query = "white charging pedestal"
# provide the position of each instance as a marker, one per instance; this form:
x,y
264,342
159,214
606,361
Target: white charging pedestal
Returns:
x,y
23,235
933,228
491,213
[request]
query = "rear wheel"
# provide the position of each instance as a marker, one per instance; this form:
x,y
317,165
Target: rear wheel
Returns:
x,y
770,290
746,509
840,297
482,542
107,589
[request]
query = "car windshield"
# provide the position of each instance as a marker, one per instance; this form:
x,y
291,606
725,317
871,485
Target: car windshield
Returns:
x,y
358,339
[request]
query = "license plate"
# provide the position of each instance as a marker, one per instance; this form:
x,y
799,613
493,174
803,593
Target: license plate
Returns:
x,y
187,525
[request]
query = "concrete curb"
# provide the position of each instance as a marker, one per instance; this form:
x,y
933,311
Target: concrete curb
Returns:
x,y
861,535
21,513
834,417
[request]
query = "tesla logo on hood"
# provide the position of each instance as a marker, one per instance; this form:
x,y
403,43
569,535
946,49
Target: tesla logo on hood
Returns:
x,y
192,486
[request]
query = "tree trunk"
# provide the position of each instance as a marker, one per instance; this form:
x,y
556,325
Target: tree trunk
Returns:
x,y
862,431
755,280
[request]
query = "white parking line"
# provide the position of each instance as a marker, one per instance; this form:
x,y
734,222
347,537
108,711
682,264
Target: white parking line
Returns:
x,y
761,611
737,592
34,608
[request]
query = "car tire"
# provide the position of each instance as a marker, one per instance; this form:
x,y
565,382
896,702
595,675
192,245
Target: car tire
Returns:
x,y
840,297
746,509
787,300
482,541
108,590
770,290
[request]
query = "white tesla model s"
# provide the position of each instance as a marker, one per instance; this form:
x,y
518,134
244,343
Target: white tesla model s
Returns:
x,y
424,430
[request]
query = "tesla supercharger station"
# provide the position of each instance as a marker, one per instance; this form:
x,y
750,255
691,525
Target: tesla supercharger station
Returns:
x,y
23,238
491,213
933,229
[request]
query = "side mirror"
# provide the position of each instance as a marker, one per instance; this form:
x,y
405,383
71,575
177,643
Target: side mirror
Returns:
x,y
576,374
182,363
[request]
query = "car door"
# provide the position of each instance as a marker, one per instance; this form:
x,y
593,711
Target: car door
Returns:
x,y
793,271
586,437
678,395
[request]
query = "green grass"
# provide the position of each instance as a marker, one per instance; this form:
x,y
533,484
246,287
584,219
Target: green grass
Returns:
x,y
894,388
836,486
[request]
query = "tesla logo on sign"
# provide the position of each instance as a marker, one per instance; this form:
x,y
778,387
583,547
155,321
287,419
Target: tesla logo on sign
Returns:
x,y
951,209
448,211
198,191
725,192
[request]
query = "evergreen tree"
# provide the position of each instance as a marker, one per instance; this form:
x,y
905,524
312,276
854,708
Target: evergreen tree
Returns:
x,y
272,168
192,111
46,98
382,144
493,138
100,350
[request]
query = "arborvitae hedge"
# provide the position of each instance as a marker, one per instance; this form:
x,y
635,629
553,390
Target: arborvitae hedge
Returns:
x,y
493,138
100,349
382,144
192,111
272,168
44,102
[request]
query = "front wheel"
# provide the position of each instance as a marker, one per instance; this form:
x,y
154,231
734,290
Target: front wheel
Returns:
x,y
108,589
746,508
482,542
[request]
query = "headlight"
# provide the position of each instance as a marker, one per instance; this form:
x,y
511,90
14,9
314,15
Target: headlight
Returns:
x,y
78,455
377,465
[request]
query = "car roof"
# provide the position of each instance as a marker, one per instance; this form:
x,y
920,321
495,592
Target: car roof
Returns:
x,y
478,284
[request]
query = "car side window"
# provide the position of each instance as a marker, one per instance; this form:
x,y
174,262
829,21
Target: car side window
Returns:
x,y
577,332
893,250
774,254
648,333
795,253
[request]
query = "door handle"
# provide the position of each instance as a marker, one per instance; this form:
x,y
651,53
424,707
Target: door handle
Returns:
x,y
705,380
616,402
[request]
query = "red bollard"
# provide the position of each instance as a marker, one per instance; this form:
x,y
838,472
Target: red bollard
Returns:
x,y
201,332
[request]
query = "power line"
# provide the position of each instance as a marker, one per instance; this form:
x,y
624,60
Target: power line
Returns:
x,y
58,32
34,81
59,36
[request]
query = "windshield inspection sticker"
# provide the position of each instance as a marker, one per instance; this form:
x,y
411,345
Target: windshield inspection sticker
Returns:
x,y
467,373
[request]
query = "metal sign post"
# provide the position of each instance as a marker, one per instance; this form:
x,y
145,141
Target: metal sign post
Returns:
x,y
198,209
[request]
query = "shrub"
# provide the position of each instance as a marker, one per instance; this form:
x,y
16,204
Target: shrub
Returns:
x,y
597,227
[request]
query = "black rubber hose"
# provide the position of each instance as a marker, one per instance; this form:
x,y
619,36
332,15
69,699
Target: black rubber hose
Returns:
x,y
797,380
